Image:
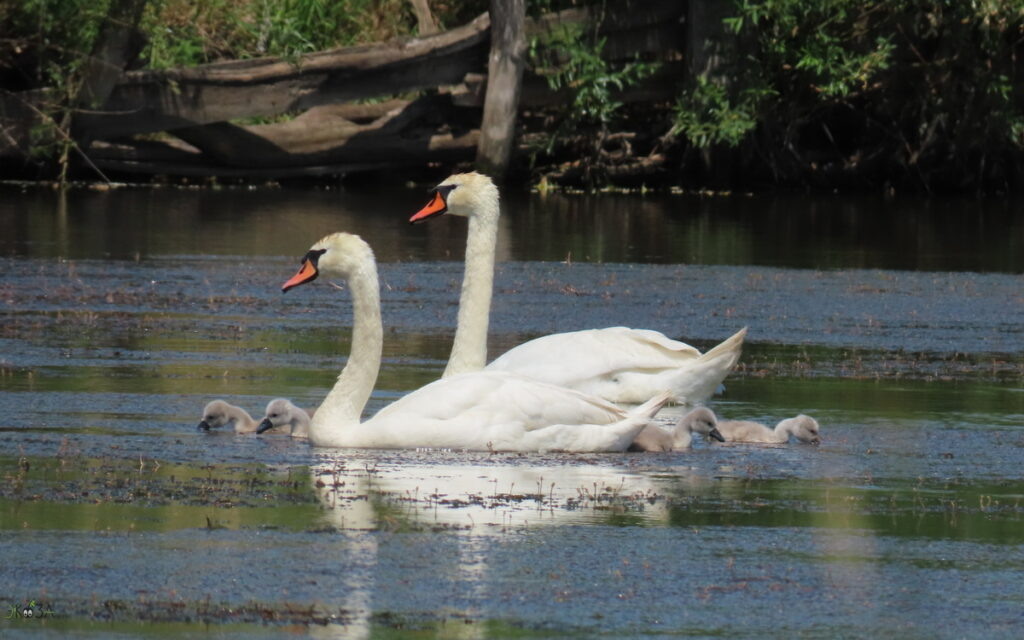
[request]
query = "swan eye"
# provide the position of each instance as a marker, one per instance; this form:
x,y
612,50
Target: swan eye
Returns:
x,y
313,255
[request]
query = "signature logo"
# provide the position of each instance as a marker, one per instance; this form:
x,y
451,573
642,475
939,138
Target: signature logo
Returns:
x,y
31,610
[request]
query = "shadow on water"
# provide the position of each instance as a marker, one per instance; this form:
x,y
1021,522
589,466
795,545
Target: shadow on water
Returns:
x,y
838,232
894,323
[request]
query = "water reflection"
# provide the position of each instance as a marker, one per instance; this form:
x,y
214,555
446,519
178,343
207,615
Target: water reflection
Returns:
x,y
480,499
818,232
465,504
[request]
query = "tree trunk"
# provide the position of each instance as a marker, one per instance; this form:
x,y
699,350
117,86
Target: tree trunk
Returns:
x,y
504,77
425,23
706,35
116,46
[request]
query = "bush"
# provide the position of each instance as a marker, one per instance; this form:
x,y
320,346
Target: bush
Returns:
x,y
896,92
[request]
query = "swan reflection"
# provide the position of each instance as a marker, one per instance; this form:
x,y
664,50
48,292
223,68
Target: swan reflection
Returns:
x,y
365,494
463,500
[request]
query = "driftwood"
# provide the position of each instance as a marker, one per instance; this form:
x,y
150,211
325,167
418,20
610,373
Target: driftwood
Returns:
x,y
150,101
318,142
199,108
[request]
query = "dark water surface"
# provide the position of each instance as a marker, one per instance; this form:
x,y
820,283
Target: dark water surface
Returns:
x,y
898,325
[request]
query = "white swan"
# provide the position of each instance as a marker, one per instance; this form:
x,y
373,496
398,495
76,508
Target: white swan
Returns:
x,y
618,364
700,421
492,410
285,417
803,428
218,414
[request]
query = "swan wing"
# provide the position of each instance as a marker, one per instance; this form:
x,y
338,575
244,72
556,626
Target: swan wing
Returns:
x,y
496,397
592,352
617,363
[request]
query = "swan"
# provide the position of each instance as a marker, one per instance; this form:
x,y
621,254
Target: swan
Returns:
x,y
701,421
484,411
618,364
283,415
803,428
218,414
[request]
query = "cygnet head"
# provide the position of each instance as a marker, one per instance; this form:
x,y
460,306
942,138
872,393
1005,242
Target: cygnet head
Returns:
x,y
219,414
339,254
283,415
804,428
462,194
703,421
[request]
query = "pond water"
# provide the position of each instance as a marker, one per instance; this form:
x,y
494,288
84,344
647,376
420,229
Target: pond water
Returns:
x,y
899,325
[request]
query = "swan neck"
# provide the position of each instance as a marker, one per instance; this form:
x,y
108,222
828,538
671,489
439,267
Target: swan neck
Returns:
x,y
300,420
242,420
782,431
469,350
343,406
683,438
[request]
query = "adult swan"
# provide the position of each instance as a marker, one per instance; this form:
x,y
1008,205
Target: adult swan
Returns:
x,y
618,364
487,411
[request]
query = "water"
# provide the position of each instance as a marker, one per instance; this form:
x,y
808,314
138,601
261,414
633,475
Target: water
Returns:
x,y
897,324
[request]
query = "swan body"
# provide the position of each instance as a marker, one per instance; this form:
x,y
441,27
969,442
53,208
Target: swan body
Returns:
x,y
219,414
619,364
484,411
497,411
624,365
284,417
699,421
804,428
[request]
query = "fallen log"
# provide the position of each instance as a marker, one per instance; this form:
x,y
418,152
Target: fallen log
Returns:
x,y
150,101
357,153
321,136
199,104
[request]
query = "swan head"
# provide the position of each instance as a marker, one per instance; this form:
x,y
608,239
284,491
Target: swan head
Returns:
x,y
339,254
804,428
280,413
463,194
219,414
703,421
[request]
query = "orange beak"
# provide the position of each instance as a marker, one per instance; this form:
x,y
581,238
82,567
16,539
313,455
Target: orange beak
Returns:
x,y
307,273
435,207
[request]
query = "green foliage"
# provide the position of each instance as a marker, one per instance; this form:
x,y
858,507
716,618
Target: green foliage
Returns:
x,y
708,116
183,33
918,88
571,61
51,41
57,34
827,44
802,49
